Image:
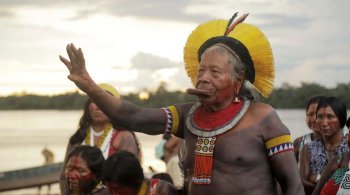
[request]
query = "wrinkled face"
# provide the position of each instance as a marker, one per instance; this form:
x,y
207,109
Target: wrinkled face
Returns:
x,y
96,114
327,121
78,174
214,75
311,117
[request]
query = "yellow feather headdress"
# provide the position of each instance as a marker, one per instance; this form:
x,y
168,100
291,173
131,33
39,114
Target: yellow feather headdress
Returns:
x,y
246,40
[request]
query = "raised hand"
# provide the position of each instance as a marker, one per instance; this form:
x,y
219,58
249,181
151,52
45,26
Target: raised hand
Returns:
x,y
76,66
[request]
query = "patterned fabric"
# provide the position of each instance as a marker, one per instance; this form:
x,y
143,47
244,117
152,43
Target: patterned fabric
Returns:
x,y
330,188
318,155
332,185
304,140
153,187
339,174
203,160
344,187
279,144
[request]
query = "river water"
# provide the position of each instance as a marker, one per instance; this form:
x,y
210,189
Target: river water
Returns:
x,y
25,133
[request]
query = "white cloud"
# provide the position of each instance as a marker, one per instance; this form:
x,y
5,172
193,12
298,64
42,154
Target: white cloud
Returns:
x,y
121,41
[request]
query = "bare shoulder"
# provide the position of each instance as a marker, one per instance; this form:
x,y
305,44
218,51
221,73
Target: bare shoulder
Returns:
x,y
125,133
268,120
125,140
260,110
262,107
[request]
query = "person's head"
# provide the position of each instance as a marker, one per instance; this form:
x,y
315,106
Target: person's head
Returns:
x,y
330,115
92,115
163,176
123,173
311,107
84,169
92,112
228,58
220,71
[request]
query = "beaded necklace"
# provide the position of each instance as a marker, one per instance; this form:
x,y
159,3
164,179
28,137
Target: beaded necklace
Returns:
x,y
207,126
106,130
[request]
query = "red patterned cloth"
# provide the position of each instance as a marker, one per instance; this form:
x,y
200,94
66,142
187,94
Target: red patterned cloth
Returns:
x,y
330,188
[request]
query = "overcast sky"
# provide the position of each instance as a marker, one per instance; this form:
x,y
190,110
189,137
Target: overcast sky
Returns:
x,y
136,44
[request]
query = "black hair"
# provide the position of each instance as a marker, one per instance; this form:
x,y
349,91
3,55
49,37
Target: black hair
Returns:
x,y
163,176
94,160
313,100
123,168
84,123
338,107
348,123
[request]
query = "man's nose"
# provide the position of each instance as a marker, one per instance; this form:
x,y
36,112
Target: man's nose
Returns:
x,y
204,76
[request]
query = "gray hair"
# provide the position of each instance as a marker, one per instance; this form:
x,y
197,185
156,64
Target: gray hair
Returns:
x,y
235,67
235,64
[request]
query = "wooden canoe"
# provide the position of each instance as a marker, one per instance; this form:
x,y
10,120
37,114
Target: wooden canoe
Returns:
x,y
30,177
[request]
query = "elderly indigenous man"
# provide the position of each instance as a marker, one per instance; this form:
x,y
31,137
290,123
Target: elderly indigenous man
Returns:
x,y
233,145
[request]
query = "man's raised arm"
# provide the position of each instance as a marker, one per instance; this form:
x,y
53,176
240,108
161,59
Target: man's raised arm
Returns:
x,y
123,113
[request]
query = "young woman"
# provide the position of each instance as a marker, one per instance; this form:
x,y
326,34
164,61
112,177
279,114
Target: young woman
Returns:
x,y
300,142
335,173
331,118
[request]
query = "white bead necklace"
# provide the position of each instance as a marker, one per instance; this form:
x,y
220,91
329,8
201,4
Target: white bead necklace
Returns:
x,y
97,134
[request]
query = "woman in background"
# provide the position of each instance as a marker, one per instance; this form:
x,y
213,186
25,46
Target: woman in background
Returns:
x,y
299,142
96,129
84,172
331,118
334,174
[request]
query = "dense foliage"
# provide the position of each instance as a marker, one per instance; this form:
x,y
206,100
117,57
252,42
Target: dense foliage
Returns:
x,y
284,97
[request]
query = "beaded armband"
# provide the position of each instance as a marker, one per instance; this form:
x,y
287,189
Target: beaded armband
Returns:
x,y
279,144
172,119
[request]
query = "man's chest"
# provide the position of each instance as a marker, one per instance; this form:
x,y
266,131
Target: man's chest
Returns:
x,y
242,147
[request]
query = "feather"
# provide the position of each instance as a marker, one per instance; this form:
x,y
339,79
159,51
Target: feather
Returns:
x,y
239,20
230,22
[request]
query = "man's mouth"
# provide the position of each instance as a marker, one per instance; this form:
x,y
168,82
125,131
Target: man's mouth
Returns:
x,y
206,93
